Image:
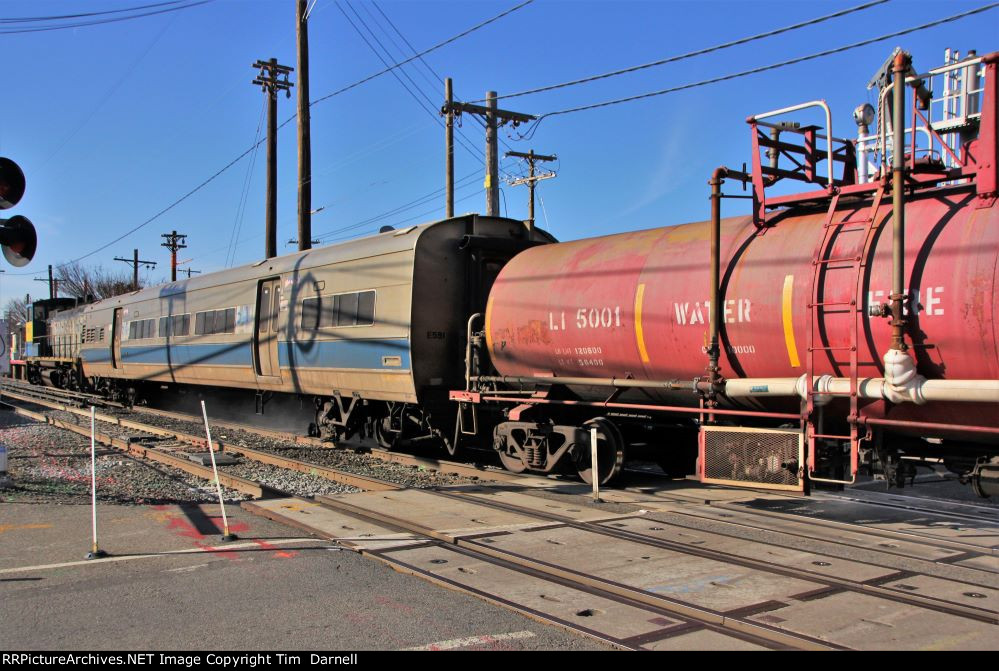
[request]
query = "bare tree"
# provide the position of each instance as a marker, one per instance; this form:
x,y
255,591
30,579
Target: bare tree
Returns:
x,y
15,313
78,281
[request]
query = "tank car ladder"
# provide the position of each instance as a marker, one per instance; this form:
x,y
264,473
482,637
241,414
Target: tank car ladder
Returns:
x,y
823,262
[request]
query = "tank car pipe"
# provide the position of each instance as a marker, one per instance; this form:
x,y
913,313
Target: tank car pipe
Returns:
x,y
902,65
717,179
639,406
917,390
468,340
929,426
620,383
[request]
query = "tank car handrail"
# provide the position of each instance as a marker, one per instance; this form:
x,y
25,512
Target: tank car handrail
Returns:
x,y
968,62
800,106
800,131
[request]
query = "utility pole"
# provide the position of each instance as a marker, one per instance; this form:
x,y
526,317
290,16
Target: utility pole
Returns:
x,y
187,270
494,118
449,149
531,179
135,263
304,130
492,157
174,242
53,283
270,84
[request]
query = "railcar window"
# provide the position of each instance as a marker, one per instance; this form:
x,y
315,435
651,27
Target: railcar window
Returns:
x,y
346,310
176,325
212,322
276,311
230,320
311,308
355,309
140,329
264,311
366,308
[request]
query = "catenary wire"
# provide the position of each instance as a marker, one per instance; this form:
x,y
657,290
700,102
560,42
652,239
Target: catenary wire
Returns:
x,y
773,66
698,52
99,22
245,153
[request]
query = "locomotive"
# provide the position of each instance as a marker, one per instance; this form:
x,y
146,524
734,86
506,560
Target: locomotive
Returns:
x,y
849,326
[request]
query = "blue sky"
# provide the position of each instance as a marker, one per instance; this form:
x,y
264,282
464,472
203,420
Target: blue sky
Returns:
x,y
113,123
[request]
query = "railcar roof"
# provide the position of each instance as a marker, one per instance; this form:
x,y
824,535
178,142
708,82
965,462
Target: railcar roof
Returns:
x,y
374,245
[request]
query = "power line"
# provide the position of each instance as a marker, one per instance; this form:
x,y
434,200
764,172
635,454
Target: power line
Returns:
x,y
107,94
465,143
99,22
236,160
372,220
423,53
699,52
765,68
399,209
237,224
29,19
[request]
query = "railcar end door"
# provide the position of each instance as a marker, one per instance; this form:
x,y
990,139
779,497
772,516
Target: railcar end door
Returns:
x,y
267,328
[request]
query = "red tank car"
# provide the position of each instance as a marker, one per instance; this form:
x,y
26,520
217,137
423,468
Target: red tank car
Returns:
x,y
637,305
850,326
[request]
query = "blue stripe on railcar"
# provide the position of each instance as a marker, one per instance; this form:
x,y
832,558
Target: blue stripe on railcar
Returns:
x,y
96,355
366,354
176,354
359,354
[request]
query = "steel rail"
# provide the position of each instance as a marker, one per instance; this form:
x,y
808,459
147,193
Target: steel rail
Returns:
x,y
698,614
948,607
360,481
137,449
966,550
441,465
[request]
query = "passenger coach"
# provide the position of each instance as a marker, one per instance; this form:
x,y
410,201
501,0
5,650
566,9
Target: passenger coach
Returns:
x,y
372,329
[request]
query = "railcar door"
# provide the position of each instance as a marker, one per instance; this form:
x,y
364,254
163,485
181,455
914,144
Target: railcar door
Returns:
x,y
116,340
268,325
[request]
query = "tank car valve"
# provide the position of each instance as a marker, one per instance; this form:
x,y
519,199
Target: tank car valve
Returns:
x,y
879,310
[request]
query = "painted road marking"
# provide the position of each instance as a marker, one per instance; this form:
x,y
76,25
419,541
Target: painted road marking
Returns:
x,y
473,640
792,348
93,562
185,569
15,527
639,334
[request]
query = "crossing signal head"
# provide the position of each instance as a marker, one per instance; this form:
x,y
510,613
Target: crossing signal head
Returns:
x,y
18,240
17,234
11,183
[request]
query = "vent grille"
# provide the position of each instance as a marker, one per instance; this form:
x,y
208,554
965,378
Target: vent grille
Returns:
x,y
91,335
752,457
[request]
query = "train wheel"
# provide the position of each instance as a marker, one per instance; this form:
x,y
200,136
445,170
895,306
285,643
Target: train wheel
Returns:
x,y
512,462
610,452
385,436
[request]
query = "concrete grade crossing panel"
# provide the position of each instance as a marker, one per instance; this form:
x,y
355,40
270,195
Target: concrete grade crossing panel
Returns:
x,y
701,582
868,623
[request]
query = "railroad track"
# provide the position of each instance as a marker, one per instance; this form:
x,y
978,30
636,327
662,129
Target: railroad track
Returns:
x,y
683,616
63,400
150,445
138,445
741,516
